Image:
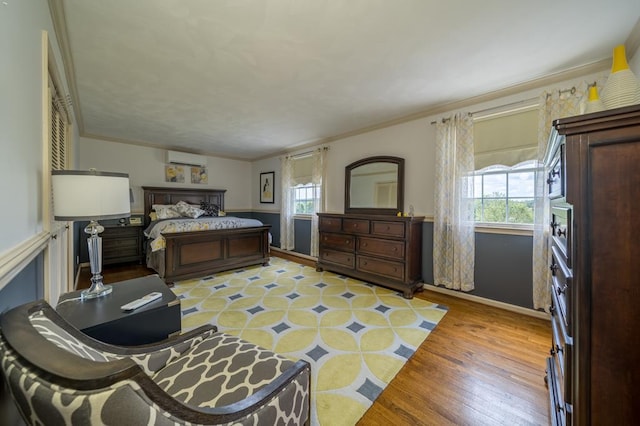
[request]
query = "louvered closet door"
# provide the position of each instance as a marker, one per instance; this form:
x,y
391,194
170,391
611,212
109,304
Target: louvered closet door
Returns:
x,y
58,253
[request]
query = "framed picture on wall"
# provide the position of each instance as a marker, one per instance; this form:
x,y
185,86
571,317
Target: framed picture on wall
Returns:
x,y
266,187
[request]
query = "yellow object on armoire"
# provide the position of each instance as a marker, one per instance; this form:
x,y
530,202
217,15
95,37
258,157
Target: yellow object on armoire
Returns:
x,y
622,87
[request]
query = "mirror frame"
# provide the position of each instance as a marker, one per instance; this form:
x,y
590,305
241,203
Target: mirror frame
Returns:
x,y
372,210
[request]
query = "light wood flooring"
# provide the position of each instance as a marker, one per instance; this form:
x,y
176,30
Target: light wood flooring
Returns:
x,y
481,366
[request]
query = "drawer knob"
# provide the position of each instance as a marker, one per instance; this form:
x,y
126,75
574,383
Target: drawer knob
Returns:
x,y
561,290
347,241
554,268
558,349
560,232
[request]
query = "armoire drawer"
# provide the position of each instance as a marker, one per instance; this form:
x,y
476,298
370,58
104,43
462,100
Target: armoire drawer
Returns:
x,y
556,175
562,353
355,226
338,257
388,229
377,266
338,241
561,230
388,248
561,286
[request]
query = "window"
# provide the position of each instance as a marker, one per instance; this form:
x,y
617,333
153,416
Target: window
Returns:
x,y
505,194
305,197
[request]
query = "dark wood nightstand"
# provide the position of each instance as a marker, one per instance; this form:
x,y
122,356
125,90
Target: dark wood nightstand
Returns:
x,y
102,318
122,243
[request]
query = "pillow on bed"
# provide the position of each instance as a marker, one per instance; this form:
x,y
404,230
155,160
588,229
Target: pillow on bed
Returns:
x,y
166,212
209,208
187,210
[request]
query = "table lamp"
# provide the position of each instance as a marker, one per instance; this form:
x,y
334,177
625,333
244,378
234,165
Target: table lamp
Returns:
x,y
91,195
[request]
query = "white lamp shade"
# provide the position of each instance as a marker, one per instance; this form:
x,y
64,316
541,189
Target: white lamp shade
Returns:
x,y
90,195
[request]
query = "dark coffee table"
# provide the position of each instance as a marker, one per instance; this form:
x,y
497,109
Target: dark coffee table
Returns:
x,y
102,318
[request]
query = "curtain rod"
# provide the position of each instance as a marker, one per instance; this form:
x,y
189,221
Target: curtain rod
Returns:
x,y
306,153
571,90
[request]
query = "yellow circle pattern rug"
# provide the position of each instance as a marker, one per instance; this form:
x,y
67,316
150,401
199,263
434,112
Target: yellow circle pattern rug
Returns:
x,y
357,336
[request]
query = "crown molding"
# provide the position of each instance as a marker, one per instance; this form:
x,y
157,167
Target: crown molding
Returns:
x,y
56,8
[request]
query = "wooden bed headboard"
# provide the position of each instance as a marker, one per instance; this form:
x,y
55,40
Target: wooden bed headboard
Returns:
x,y
167,195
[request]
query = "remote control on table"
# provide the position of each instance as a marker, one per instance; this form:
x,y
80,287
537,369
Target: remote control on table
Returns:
x,y
142,301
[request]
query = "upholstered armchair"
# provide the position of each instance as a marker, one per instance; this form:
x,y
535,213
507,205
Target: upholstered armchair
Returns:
x,y
57,375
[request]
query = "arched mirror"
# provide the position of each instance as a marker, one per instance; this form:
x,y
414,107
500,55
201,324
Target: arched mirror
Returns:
x,y
374,185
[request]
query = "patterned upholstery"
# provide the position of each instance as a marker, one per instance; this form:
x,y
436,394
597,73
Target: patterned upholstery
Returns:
x,y
57,375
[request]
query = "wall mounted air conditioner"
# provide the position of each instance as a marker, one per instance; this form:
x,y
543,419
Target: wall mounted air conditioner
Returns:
x,y
186,158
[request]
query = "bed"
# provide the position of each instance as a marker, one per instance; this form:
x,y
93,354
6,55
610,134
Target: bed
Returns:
x,y
195,254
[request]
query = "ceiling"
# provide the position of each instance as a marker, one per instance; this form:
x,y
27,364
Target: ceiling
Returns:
x,y
252,78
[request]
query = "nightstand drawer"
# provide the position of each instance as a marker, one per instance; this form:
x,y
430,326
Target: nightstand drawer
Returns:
x,y
120,231
122,244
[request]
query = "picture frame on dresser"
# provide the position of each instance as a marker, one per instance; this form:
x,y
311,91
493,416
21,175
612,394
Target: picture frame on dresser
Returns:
x,y
267,186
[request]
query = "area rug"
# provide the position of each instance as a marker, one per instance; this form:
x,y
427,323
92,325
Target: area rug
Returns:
x,y
356,336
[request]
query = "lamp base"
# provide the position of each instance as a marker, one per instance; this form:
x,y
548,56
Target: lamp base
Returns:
x,y
97,289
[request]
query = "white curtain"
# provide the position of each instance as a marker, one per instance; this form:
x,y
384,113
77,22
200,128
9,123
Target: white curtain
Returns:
x,y
553,105
453,230
318,179
287,237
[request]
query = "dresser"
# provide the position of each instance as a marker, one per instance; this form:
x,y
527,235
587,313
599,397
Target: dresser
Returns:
x,y
593,185
384,250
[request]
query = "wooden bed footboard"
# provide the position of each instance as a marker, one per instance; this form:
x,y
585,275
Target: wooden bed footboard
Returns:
x,y
198,254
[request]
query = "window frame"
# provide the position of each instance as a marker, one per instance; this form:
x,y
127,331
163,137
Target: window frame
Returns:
x,y
525,166
316,190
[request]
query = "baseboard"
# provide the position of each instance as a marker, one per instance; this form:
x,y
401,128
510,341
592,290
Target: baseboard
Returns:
x,y
289,253
77,279
489,302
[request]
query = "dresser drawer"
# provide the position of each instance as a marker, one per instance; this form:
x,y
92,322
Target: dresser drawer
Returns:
x,y
356,226
386,268
330,224
561,286
337,257
561,230
388,248
556,174
388,229
338,241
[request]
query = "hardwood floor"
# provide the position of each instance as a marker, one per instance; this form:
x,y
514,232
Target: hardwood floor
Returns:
x,y
481,366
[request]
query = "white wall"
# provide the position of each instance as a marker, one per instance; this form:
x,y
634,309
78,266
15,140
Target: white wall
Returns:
x,y
146,167
413,140
21,120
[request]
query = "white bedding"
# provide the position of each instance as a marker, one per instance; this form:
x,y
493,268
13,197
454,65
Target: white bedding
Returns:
x,y
155,230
